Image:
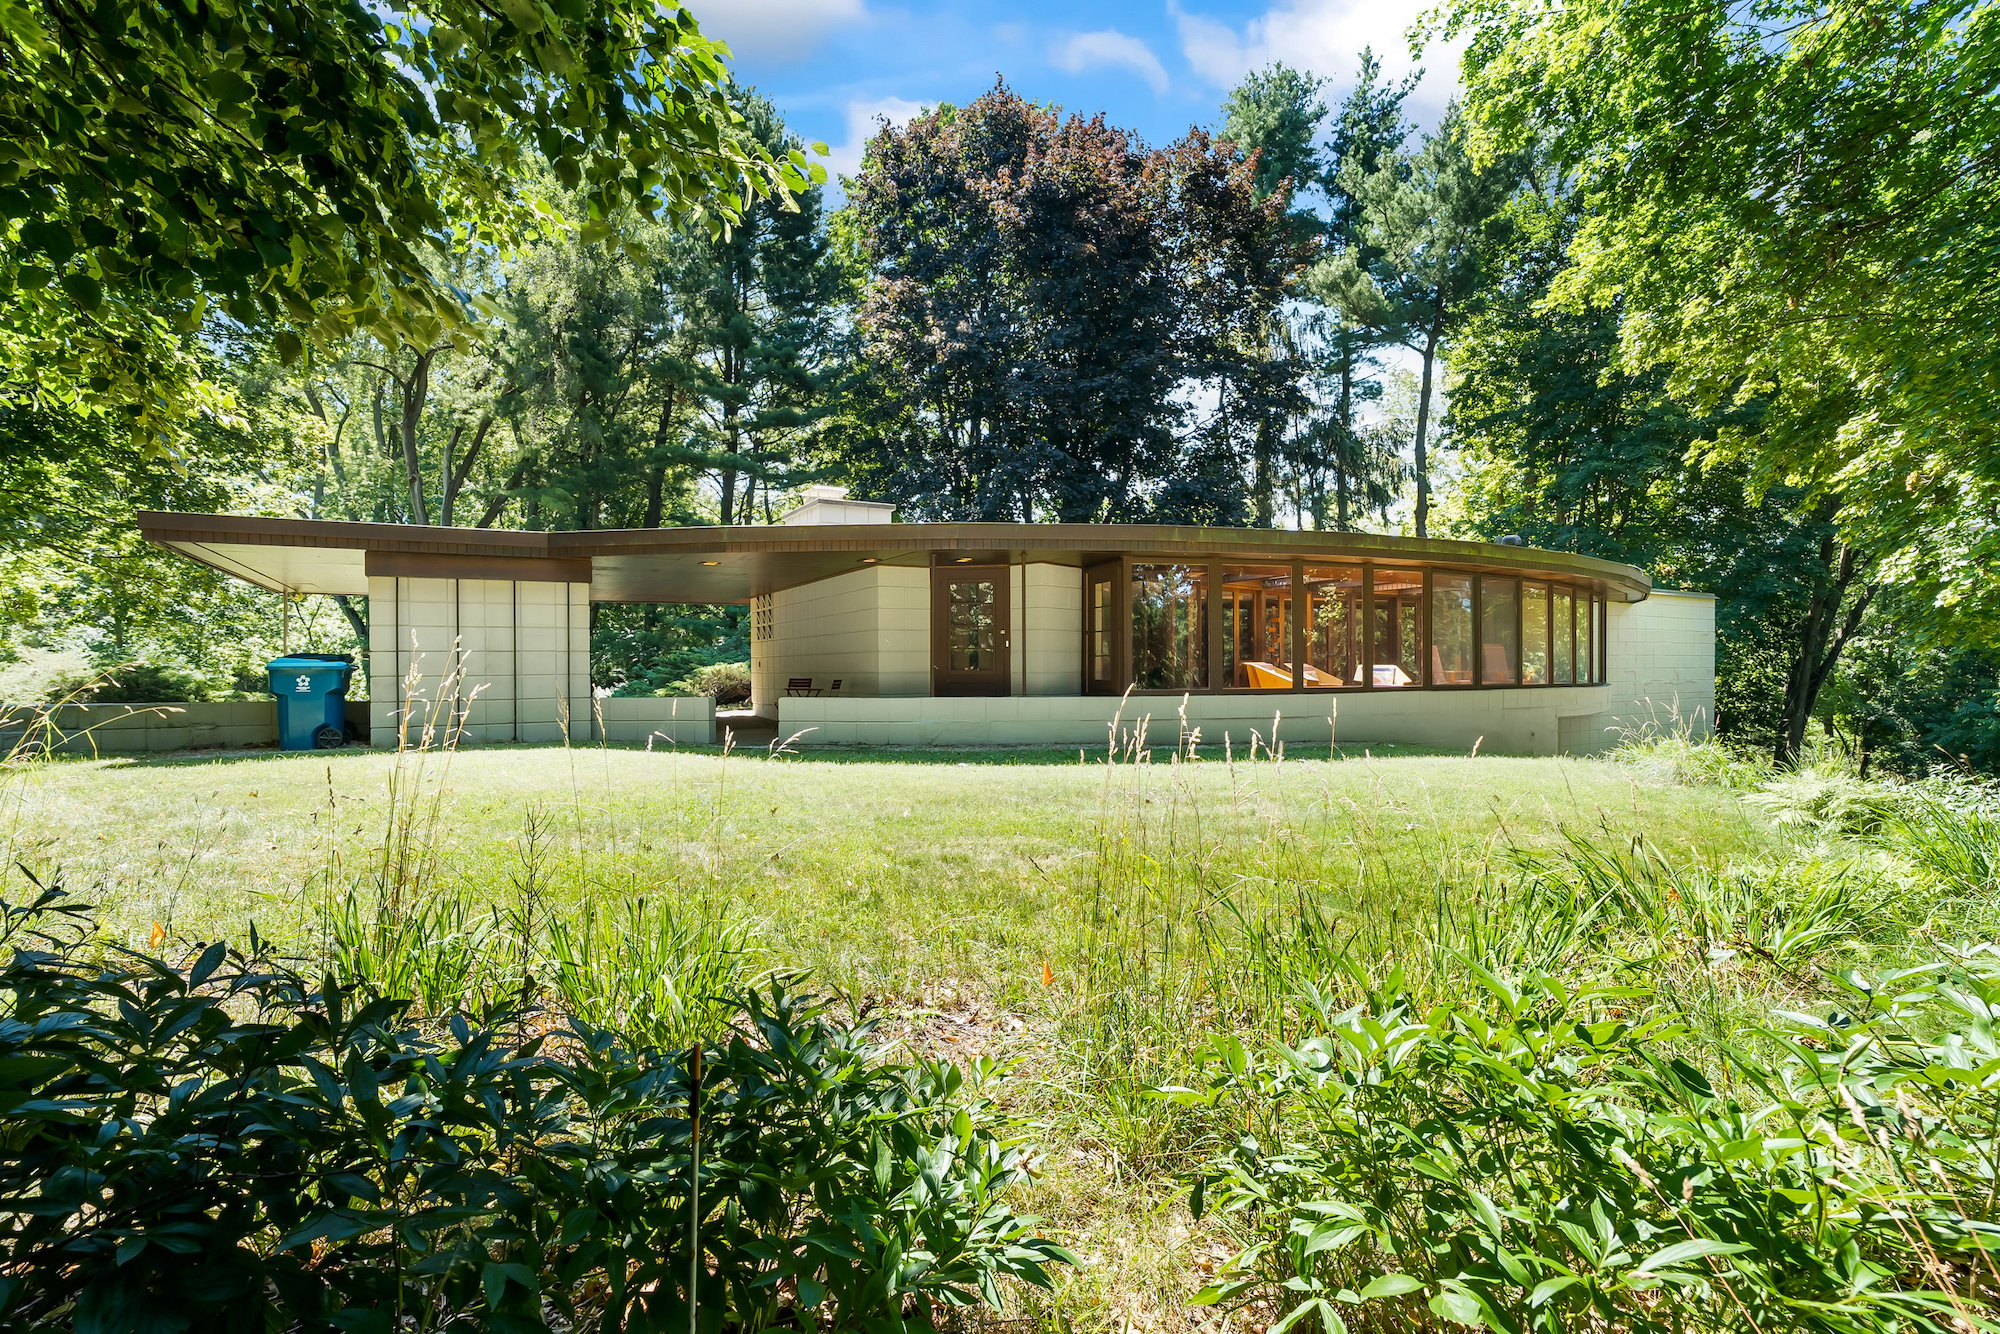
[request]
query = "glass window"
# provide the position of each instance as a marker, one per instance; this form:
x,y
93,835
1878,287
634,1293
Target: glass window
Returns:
x,y
1499,631
1586,639
1397,626
1534,634
1451,629
1562,616
971,635
1169,627
1603,640
1257,627
1101,590
1333,626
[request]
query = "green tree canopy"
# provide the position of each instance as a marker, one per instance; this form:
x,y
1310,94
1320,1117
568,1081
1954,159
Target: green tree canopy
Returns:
x,y
305,166
1795,203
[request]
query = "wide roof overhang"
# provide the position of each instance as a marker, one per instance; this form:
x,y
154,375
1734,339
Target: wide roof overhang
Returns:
x,y
719,565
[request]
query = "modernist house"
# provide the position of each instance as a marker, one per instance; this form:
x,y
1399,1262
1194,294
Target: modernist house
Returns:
x,y
864,630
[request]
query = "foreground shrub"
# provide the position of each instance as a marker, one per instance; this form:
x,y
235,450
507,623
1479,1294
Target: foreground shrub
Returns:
x,y
228,1145
727,683
1540,1158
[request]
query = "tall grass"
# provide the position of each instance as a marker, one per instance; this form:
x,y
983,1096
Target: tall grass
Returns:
x,y
655,969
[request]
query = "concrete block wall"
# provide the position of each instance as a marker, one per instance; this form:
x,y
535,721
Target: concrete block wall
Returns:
x,y
1048,630
137,729
143,729
520,650
1520,722
1662,668
658,722
869,629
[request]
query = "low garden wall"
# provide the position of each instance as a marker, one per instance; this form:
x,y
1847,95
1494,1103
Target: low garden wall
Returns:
x,y
1530,722
139,729
136,729
674,720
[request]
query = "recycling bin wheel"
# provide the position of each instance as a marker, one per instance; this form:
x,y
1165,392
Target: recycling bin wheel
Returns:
x,y
329,737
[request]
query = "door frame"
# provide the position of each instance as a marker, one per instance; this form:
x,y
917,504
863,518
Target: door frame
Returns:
x,y
998,680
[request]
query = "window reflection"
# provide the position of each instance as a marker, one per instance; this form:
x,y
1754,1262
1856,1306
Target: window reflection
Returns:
x,y
1562,614
971,635
1257,627
1398,627
1499,631
1169,627
1333,626
1101,605
1586,639
1451,629
1534,634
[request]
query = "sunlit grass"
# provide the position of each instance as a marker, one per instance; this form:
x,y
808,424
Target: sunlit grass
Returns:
x,y
1087,922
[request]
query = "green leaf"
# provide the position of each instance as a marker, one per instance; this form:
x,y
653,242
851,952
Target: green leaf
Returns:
x,y
1549,1287
1459,1307
1390,1285
1688,1250
84,290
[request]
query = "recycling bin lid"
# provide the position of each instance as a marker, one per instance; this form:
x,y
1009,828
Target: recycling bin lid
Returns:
x,y
294,661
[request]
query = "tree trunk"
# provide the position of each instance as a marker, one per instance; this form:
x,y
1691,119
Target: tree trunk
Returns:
x,y
416,390
1824,635
1263,482
1421,463
1344,451
455,474
354,619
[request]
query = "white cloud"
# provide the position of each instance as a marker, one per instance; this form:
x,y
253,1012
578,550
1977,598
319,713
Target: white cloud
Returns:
x,y
776,30
1325,37
1089,50
864,118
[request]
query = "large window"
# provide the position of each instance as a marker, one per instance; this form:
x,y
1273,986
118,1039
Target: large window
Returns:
x,y
1100,649
1499,631
1562,615
1397,615
1586,639
1257,627
1170,627
1451,629
1333,626
1209,625
1534,633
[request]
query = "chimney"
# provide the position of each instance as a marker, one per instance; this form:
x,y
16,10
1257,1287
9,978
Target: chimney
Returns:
x,y
829,504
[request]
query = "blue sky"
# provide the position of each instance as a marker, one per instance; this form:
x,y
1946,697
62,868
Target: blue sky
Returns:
x,y
1156,66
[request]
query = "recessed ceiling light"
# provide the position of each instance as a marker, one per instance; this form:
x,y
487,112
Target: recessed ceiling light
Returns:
x,y
711,562
965,560
868,560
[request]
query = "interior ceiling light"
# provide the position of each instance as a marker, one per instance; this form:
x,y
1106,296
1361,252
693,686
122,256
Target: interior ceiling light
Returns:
x,y
868,560
711,562
965,560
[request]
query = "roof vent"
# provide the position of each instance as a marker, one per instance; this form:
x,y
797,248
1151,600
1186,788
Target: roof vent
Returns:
x,y
829,504
1513,540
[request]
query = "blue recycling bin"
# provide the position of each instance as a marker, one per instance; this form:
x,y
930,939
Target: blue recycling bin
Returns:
x,y
312,699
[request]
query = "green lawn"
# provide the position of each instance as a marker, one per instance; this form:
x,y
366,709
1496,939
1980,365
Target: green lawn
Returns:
x,y
895,875
1086,922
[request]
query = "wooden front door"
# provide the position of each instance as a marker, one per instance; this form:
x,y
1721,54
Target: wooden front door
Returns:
x,y
969,632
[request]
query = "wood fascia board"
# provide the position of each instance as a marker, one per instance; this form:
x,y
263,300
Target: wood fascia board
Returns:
x,y
1087,542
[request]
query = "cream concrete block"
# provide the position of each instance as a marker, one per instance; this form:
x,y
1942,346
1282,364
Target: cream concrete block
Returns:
x,y
429,593
543,618
532,660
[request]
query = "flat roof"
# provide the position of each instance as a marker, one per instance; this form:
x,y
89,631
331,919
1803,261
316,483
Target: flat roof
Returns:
x,y
718,565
